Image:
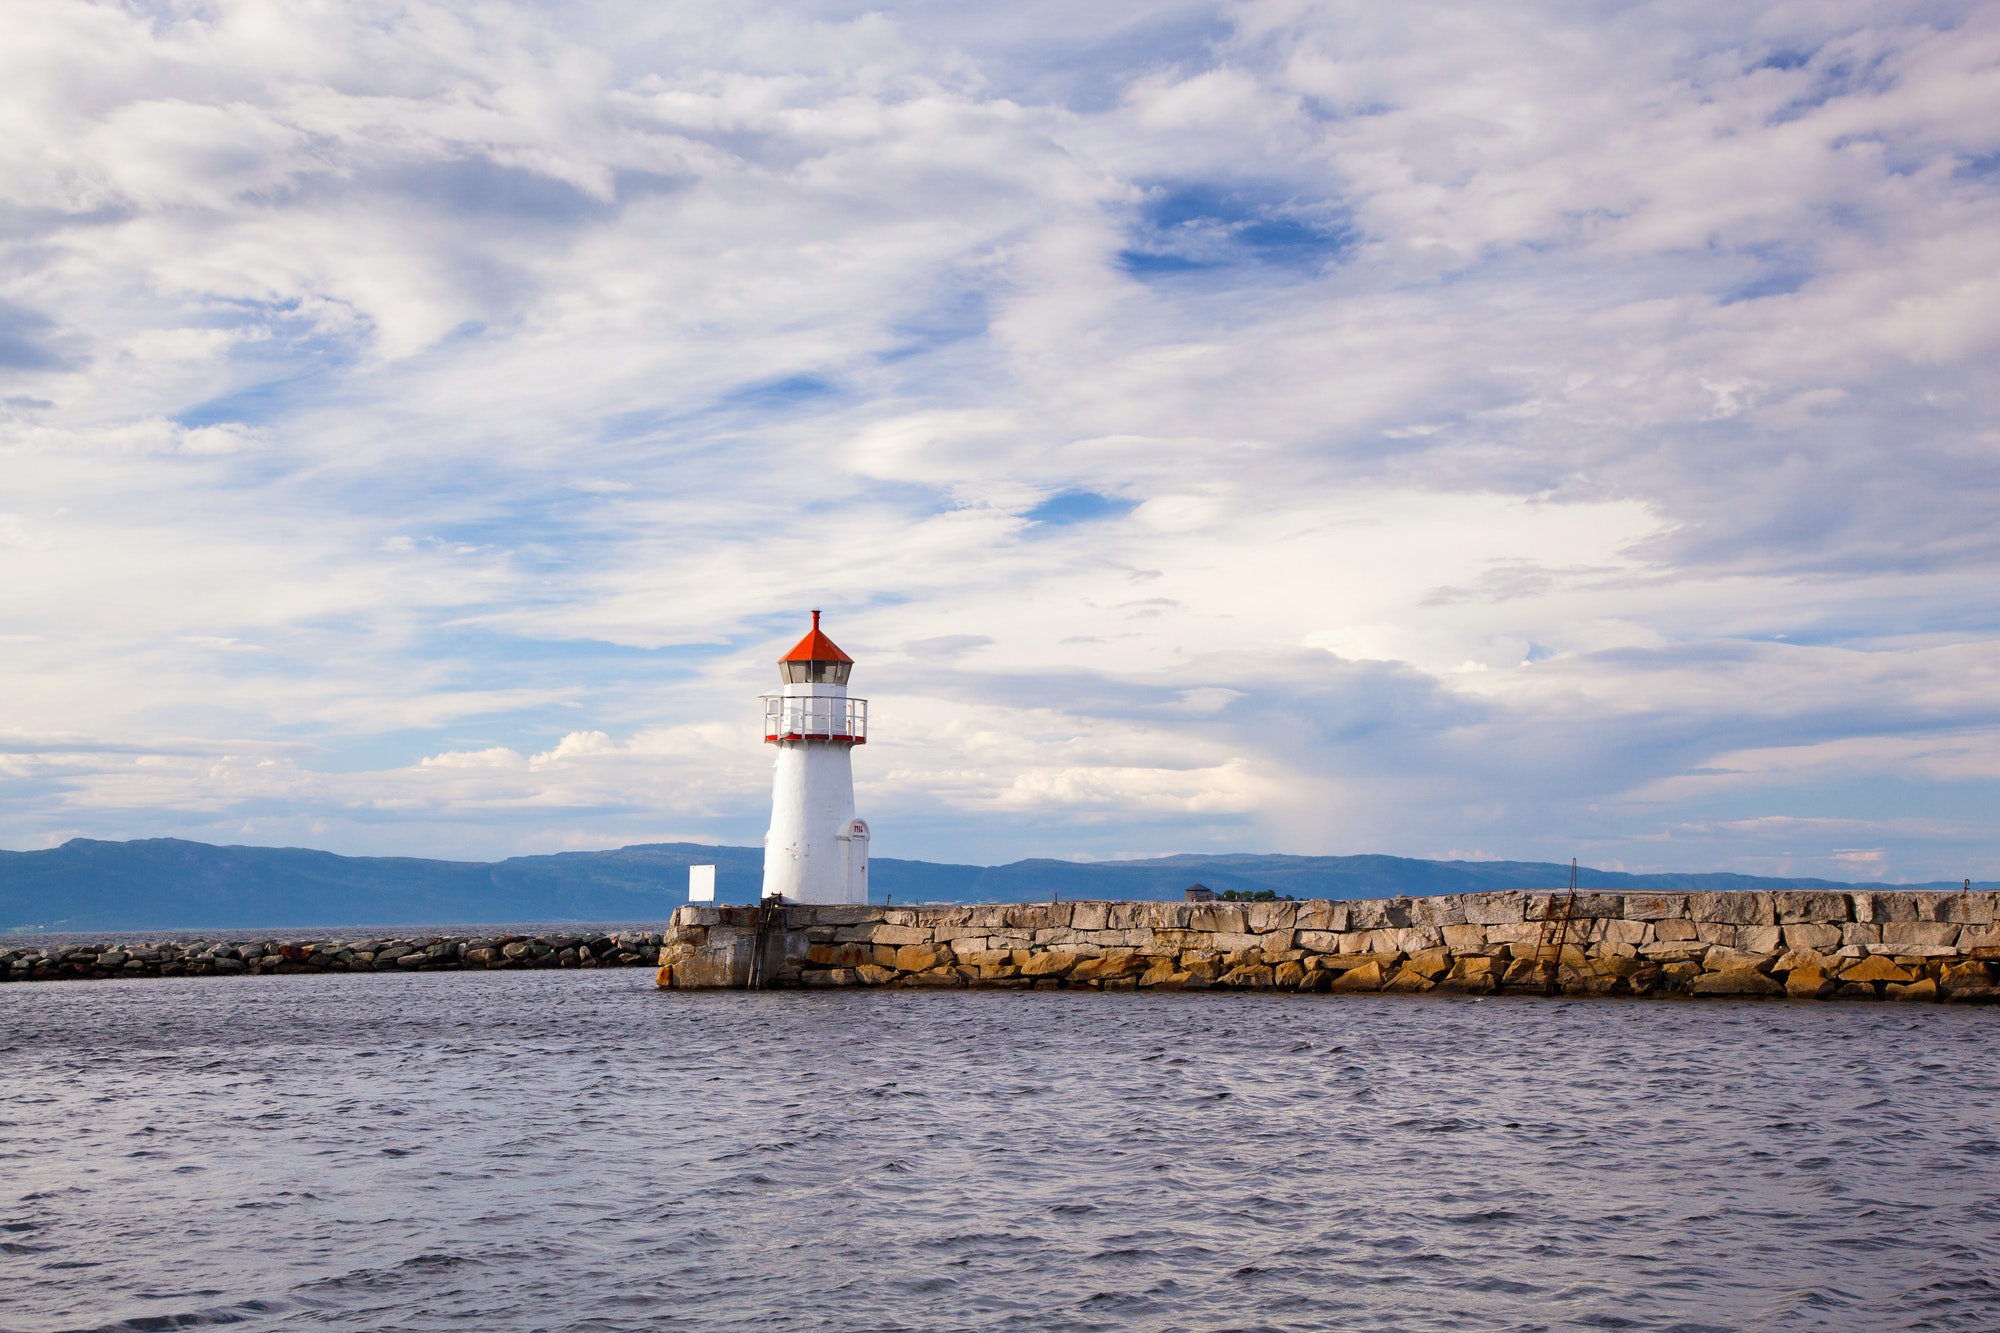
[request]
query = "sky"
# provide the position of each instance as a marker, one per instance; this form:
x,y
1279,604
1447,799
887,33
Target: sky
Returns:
x,y
1476,430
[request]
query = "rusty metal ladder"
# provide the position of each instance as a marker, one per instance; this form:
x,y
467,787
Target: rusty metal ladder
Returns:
x,y
767,911
1555,934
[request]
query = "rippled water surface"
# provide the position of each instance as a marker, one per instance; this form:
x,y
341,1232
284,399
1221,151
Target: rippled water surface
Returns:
x,y
573,1150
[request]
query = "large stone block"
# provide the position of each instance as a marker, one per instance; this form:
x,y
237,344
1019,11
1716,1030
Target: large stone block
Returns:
x,y
1481,966
920,957
1979,937
1464,938
1794,959
897,935
1968,983
1429,963
1875,968
1733,908
1108,967
1736,981
1219,918
1803,906
1089,916
1409,939
1378,914
1760,939
842,914
723,967
1808,983
1367,977
840,955
1721,958
1319,914
1885,905
1969,909
1655,906
1126,916
1272,916
1168,916
1715,932
1935,906
1501,908
1053,962
1626,932
1599,906
1444,909
1822,937
1899,933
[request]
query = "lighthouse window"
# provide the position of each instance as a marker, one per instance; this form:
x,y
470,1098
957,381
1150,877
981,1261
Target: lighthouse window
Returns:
x,y
822,673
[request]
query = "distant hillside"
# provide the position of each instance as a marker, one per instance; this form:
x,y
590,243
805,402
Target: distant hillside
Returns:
x,y
168,884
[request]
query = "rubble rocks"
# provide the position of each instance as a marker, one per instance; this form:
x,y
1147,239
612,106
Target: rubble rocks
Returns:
x,y
1790,944
428,953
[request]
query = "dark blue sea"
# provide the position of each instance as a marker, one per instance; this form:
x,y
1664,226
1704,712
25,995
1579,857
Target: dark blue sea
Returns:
x,y
576,1150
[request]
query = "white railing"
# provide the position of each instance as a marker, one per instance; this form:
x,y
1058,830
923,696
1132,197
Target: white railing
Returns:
x,y
810,718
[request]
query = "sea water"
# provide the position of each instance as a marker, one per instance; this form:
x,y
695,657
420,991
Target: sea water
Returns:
x,y
577,1150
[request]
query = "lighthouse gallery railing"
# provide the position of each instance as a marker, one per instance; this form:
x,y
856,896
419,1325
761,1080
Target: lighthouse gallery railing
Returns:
x,y
809,718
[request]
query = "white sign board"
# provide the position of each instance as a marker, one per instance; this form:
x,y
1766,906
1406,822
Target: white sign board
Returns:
x,y
701,884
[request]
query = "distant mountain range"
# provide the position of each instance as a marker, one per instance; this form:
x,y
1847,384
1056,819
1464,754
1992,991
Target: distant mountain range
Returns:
x,y
168,884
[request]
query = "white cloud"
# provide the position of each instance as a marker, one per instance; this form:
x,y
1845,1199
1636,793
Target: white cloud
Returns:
x,y
1522,428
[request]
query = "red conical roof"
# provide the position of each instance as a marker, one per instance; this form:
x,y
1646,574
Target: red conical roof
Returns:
x,y
815,647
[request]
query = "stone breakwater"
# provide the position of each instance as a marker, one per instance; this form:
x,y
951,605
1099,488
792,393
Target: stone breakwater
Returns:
x,y
417,953
1797,944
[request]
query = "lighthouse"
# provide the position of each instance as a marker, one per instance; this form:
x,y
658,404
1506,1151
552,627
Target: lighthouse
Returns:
x,y
816,851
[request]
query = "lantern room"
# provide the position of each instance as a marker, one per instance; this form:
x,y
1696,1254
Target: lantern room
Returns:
x,y
815,660
813,704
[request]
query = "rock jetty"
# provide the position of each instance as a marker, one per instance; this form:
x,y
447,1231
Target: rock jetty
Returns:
x,y
1787,944
416,953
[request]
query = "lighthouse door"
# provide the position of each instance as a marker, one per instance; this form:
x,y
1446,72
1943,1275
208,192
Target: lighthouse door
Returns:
x,y
855,835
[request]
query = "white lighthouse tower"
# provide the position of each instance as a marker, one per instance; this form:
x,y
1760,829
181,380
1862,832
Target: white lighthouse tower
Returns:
x,y
816,851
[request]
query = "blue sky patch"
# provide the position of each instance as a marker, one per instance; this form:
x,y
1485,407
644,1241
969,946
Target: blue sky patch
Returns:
x,y
1187,227
1070,507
